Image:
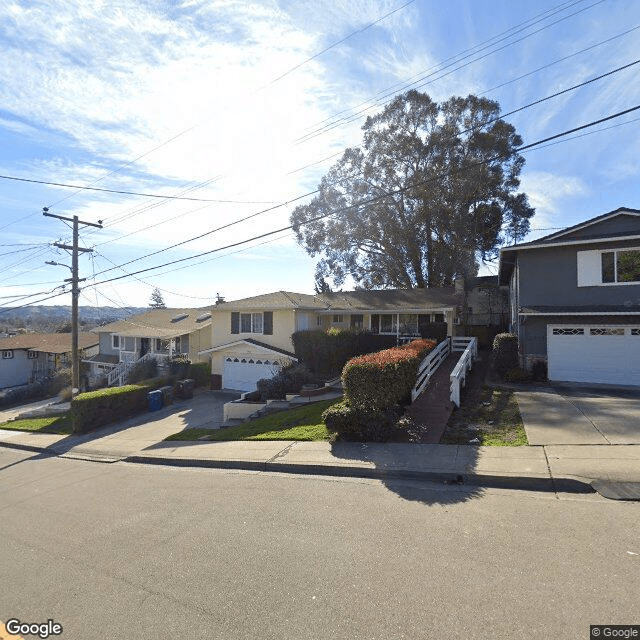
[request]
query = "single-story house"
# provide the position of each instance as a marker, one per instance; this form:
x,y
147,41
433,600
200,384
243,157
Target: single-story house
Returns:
x,y
251,338
160,333
575,299
30,357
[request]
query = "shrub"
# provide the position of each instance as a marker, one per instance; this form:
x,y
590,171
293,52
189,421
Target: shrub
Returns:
x,y
179,365
143,371
326,352
505,353
97,408
201,373
60,380
363,425
434,330
539,370
289,379
517,375
380,380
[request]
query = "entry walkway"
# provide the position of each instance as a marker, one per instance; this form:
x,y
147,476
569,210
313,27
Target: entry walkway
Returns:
x,y
432,409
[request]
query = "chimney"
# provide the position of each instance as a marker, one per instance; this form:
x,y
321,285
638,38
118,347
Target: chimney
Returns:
x,y
458,283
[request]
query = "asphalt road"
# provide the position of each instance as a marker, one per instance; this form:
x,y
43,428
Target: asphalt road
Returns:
x,y
129,551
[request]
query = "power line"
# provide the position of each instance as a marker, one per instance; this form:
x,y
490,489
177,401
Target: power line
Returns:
x,y
291,70
416,84
245,218
126,193
365,202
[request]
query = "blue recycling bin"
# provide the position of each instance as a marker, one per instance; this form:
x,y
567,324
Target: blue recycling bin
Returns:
x,y
155,400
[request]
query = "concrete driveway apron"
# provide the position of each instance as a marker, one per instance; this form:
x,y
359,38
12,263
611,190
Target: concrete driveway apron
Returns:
x,y
580,414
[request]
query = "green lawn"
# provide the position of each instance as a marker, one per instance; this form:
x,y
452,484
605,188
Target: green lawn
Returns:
x,y
301,423
52,424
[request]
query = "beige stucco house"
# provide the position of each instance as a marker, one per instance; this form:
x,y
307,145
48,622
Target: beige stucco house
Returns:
x,y
251,338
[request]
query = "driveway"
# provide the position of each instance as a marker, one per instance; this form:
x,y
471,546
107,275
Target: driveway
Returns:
x,y
580,414
145,430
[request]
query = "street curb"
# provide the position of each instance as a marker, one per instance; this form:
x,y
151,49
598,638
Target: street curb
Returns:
x,y
26,447
525,483
470,479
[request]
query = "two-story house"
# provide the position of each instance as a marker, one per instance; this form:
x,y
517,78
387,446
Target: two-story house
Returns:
x,y
575,299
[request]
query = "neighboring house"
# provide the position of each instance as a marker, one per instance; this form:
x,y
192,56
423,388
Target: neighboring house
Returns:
x,y
487,303
158,333
251,338
32,356
575,299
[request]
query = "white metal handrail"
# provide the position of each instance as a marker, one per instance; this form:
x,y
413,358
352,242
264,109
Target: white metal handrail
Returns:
x,y
120,372
459,374
429,366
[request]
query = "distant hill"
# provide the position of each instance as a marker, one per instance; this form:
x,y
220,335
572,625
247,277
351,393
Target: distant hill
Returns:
x,y
37,316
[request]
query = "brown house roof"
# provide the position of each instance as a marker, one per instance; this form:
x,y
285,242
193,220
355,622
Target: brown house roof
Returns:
x,y
48,342
160,323
365,300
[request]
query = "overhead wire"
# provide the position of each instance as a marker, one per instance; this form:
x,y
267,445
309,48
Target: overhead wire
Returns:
x,y
365,202
253,215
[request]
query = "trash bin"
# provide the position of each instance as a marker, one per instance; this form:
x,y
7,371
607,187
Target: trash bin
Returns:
x,y
155,400
184,388
167,395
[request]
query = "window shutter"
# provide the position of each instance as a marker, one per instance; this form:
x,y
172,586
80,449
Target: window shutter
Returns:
x,y
267,328
375,323
235,322
589,268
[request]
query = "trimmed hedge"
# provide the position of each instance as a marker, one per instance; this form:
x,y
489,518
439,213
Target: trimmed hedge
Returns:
x,y
201,373
96,408
505,353
326,352
381,380
363,425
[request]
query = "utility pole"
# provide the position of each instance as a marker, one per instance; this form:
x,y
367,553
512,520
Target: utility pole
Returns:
x,y
75,290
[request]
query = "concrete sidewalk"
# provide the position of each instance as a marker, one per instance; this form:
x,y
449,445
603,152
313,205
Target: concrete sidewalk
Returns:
x,y
570,468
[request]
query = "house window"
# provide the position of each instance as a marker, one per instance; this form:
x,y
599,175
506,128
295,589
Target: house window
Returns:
x,y
7,354
618,266
338,318
606,331
408,324
115,341
622,265
569,331
32,355
251,322
357,321
389,323
162,346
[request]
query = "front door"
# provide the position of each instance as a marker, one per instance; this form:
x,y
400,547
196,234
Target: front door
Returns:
x,y
145,345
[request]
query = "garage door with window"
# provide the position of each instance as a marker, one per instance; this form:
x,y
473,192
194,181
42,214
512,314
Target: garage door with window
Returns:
x,y
602,354
242,373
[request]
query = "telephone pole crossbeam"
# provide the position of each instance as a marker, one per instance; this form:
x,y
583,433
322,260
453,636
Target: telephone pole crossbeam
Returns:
x,y
75,290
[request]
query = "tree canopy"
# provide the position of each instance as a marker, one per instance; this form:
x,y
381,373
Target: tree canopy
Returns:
x,y
157,301
432,190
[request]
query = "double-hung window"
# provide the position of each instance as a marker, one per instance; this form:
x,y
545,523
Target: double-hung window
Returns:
x,y
251,323
115,341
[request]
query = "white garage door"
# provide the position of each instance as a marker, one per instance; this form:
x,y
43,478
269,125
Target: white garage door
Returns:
x,y
242,374
594,353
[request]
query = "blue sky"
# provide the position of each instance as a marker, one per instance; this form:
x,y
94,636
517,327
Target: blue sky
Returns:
x,y
209,100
